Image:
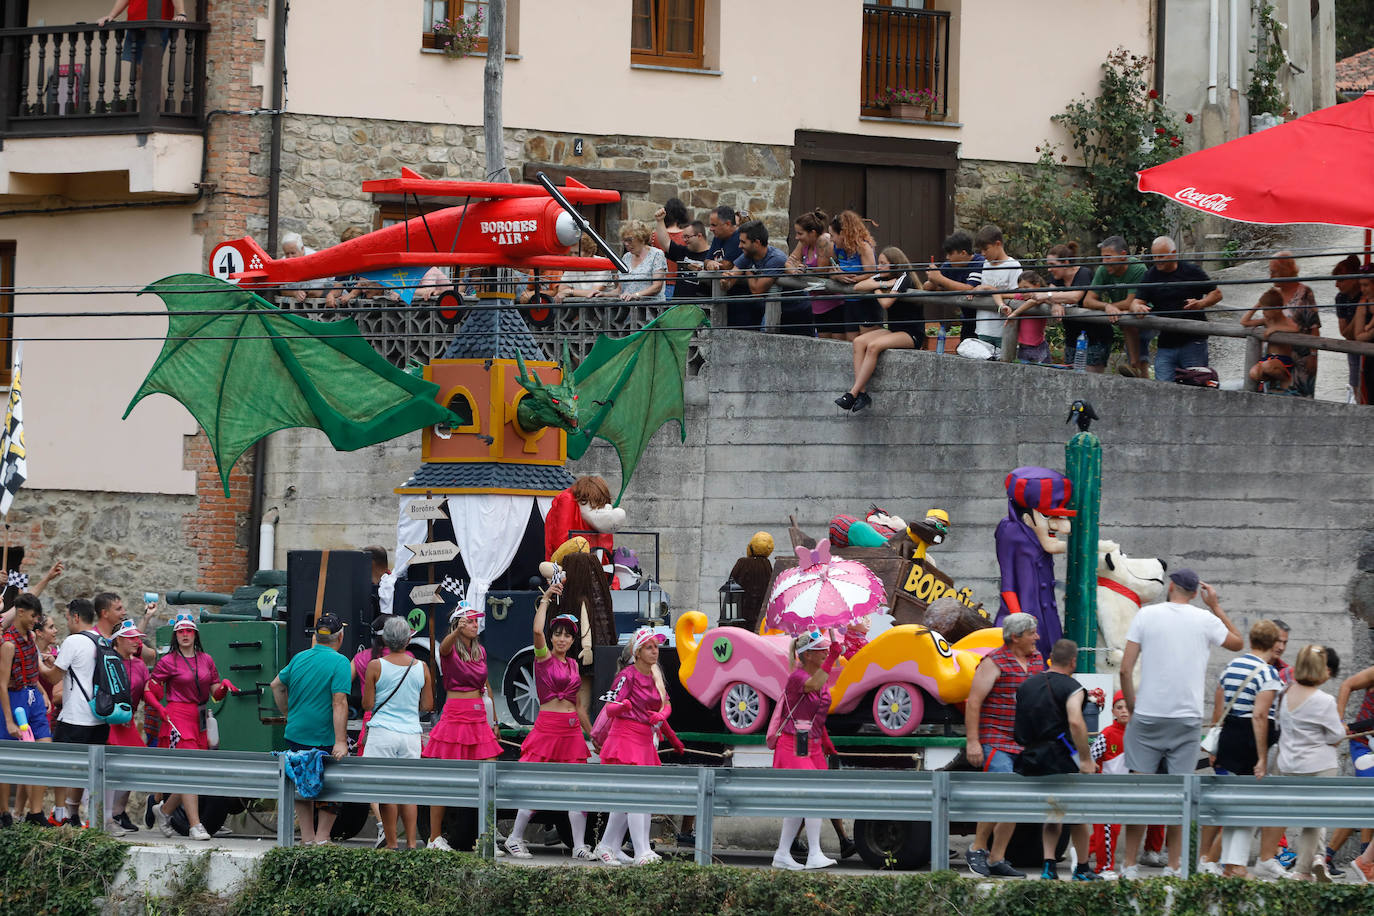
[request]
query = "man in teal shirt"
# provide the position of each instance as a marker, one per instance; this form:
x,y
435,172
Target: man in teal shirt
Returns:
x,y
1118,267
312,692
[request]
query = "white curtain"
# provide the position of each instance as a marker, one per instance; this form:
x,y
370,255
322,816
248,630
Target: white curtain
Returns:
x,y
488,529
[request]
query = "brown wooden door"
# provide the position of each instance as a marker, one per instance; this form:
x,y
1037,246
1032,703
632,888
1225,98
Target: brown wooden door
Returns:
x,y
907,204
832,186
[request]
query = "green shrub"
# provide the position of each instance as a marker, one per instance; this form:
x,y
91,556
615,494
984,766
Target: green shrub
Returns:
x,y
333,881
56,872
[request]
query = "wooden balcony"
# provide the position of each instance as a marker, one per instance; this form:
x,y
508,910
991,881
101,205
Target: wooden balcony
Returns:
x,y
904,48
82,80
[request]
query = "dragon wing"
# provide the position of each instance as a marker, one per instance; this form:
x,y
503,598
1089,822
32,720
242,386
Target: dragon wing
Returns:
x,y
633,385
248,369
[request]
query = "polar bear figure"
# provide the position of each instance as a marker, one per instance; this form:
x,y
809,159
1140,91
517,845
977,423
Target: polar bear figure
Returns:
x,y
1124,585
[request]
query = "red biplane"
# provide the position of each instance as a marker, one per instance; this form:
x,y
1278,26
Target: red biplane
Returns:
x,y
512,225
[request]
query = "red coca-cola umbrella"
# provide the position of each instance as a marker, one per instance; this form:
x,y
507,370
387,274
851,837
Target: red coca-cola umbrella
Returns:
x,y
1316,169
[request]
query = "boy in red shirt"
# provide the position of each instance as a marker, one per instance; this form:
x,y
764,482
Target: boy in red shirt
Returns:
x,y
1108,746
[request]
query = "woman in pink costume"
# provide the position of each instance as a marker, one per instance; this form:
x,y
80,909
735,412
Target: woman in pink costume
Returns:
x,y
559,730
187,679
802,741
464,732
639,702
128,642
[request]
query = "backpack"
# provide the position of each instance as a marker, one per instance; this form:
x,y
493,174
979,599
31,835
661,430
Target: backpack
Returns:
x,y
110,698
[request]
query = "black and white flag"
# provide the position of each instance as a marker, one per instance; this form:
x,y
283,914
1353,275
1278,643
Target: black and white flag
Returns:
x,y
14,464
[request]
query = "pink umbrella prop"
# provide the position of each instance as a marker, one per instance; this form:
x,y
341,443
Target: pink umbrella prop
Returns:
x,y
823,591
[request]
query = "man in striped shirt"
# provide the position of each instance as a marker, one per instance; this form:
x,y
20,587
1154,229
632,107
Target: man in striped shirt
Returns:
x,y
989,720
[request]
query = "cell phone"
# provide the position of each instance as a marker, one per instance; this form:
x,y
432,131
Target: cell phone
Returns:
x,y
803,743
150,597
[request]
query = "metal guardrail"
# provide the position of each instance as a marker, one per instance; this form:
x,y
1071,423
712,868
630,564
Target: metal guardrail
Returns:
x,y
710,792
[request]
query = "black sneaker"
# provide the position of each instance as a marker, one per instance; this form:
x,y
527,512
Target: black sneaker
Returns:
x,y
687,840
847,847
36,819
1050,872
845,401
1003,869
6,819
978,862
799,849
148,820
122,819
74,820
861,402
1085,873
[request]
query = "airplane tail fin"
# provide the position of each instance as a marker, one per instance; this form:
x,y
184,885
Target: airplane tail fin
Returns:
x,y
239,261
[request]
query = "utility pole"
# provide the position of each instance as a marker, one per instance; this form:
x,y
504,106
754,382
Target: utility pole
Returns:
x,y
493,76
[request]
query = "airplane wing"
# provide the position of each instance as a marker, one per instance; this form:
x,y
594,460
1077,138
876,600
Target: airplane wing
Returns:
x,y
426,259
412,183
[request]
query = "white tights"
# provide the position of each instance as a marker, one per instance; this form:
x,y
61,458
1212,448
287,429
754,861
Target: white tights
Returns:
x,y
790,825
615,832
578,820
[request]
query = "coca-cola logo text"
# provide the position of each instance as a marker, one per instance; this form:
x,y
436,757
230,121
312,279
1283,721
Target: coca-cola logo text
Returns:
x,y
1214,202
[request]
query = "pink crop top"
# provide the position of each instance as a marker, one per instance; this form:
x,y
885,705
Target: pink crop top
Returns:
x,y
555,680
186,680
138,679
639,693
463,675
797,705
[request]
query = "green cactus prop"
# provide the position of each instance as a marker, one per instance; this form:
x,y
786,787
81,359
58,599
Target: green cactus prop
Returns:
x,y
1083,466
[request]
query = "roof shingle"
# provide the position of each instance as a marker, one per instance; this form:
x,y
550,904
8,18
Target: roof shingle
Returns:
x,y
1356,72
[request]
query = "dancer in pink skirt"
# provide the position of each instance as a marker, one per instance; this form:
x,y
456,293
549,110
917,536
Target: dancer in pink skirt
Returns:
x,y
464,732
639,703
559,730
189,680
802,741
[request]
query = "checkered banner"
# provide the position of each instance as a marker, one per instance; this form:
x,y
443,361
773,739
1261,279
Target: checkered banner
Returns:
x,y
14,463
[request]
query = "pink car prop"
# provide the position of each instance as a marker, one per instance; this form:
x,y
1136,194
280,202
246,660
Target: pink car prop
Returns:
x,y
744,673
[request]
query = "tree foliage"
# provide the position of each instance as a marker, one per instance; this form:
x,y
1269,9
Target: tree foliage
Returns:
x,y
1354,27
1121,130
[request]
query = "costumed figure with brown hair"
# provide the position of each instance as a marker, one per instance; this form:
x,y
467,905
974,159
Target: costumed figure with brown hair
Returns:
x,y
752,572
585,506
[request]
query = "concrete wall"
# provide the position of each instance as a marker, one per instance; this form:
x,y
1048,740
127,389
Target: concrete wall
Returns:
x,y
1254,492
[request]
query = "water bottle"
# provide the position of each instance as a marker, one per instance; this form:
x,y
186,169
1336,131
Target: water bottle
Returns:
x,y
940,339
1080,354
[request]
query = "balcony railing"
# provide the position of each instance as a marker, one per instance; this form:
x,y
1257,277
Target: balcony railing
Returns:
x,y
904,48
81,79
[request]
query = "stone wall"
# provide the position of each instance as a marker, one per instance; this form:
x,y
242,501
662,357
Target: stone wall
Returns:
x,y
1254,492
325,160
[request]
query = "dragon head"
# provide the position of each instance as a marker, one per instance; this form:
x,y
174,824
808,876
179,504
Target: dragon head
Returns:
x,y
547,405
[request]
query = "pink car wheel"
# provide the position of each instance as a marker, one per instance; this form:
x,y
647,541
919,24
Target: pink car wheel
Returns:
x,y
743,709
898,708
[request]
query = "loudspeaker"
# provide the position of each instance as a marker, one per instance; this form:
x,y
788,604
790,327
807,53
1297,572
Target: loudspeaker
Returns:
x,y
347,593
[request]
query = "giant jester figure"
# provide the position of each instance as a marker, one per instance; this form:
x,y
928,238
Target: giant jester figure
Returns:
x,y
1035,529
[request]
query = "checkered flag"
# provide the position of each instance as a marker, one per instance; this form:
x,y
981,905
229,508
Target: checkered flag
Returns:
x,y
452,586
14,464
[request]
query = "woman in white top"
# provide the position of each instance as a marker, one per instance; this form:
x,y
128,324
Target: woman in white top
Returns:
x,y
396,688
585,284
648,266
1310,727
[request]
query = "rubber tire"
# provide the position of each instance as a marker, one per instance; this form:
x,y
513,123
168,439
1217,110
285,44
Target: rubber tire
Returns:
x,y
519,682
914,698
889,845
1024,849
449,307
749,694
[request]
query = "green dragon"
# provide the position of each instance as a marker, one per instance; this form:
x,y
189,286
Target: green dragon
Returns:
x,y
623,392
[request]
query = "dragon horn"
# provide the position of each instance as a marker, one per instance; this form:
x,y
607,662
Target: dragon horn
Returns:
x,y
567,363
524,377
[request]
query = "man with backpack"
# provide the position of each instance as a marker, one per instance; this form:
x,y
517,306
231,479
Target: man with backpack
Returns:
x,y
77,667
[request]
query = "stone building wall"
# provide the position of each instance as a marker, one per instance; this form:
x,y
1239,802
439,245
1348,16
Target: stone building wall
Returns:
x,y
326,159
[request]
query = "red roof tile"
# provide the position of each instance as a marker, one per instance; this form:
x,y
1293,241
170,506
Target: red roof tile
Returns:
x,y
1356,72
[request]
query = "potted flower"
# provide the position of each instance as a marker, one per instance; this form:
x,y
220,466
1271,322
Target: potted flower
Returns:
x,y
908,104
457,36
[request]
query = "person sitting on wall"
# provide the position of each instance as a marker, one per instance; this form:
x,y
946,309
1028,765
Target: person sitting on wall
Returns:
x,y
960,272
1275,371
